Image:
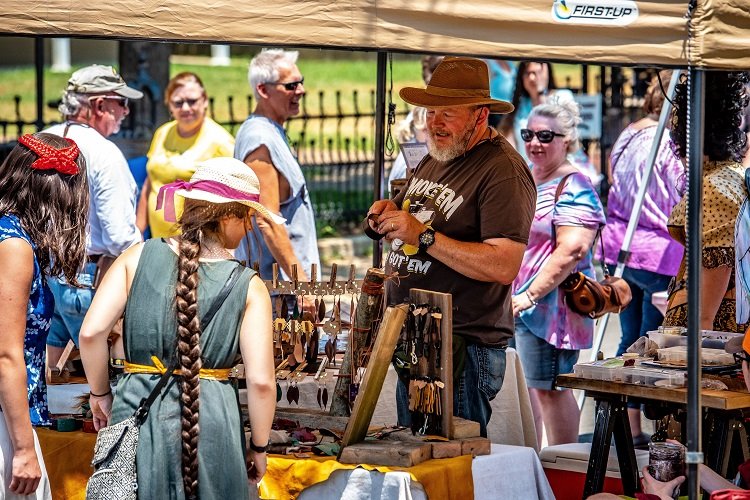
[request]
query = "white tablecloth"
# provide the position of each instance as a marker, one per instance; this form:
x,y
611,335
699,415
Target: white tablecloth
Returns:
x,y
509,472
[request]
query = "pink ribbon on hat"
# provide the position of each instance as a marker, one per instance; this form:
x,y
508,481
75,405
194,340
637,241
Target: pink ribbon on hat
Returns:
x,y
165,197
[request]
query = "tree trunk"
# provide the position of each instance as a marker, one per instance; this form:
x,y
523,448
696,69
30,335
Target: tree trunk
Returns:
x,y
369,309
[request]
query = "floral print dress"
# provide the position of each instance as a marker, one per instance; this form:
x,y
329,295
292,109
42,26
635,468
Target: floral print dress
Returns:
x,y
38,319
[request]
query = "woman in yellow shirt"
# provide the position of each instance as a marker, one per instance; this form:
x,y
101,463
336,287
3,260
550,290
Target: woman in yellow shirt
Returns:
x,y
178,146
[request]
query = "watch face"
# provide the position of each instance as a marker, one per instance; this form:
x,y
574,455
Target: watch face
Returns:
x,y
427,238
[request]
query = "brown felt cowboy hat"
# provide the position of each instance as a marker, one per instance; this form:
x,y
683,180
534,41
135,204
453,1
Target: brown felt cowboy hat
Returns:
x,y
457,81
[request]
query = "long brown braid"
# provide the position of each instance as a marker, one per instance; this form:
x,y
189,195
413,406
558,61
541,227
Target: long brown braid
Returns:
x,y
198,220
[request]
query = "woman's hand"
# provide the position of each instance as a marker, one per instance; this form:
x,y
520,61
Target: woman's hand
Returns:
x,y
26,472
101,408
661,489
521,302
256,467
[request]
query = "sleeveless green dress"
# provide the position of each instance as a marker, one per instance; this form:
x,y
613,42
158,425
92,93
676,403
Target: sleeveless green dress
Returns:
x,y
150,329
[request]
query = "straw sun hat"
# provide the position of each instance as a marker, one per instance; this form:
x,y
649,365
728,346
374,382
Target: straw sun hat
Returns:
x,y
218,180
457,81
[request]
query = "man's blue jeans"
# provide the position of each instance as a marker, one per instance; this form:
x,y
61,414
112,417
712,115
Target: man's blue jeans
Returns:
x,y
71,305
480,382
640,316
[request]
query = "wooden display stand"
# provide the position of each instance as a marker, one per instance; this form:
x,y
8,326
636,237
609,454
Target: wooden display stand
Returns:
x,y
402,448
444,301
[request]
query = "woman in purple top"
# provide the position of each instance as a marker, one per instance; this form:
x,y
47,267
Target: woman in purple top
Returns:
x,y
549,335
654,255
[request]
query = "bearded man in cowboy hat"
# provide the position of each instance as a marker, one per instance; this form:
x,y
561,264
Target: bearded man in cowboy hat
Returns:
x,y
461,226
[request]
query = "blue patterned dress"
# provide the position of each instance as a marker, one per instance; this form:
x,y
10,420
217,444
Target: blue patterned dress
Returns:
x,y
38,318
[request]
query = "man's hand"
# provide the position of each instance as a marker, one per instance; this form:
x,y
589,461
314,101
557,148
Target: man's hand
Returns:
x,y
661,489
402,225
26,472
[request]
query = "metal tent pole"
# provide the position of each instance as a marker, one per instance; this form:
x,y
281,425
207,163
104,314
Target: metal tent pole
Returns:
x,y
695,125
39,67
379,165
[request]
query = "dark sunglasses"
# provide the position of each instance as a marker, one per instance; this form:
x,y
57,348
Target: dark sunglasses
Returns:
x,y
190,102
122,101
290,86
544,136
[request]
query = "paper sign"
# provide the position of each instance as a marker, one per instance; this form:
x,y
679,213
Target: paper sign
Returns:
x,y
413,153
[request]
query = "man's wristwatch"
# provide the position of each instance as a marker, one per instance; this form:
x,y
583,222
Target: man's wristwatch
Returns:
x,y
259,449
426,239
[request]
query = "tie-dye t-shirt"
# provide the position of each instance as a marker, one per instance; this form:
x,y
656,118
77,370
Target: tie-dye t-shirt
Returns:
x,y
579,206
38,319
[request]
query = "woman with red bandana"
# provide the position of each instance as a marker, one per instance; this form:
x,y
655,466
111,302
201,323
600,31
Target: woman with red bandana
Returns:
x,y
44,202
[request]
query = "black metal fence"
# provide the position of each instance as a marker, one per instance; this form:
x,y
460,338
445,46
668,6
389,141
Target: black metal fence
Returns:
x,y
334,144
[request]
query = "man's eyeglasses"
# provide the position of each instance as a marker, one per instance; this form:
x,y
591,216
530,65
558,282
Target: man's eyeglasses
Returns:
x,y
178,104
122,101
544,136
290,86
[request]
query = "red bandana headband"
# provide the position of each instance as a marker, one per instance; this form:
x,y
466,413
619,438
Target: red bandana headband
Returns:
x,y
63,160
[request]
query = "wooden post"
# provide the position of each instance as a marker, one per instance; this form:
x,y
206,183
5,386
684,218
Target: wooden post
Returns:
x,y
368,310
382,352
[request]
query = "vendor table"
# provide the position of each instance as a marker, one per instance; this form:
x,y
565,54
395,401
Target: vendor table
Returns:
x,y
67,456
724,414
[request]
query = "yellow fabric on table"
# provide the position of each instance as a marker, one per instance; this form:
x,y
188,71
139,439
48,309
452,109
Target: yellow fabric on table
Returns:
x,y
443,479
67,458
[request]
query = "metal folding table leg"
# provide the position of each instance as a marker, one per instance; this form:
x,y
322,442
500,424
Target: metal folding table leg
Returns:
x,y
604,423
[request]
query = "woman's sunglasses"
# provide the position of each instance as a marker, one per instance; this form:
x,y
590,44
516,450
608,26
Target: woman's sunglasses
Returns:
x,y
544,136
190,102
291,86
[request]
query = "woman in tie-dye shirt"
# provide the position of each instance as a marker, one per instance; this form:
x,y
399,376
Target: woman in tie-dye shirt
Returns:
x,y
549,335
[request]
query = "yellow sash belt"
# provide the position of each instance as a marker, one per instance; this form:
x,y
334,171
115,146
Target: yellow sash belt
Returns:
x,y
160,369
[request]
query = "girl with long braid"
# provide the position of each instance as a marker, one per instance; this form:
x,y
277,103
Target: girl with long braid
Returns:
x,y
191,444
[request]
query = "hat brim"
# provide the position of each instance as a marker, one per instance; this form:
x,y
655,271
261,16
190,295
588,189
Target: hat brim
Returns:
x,y
215,198
420,97
129,92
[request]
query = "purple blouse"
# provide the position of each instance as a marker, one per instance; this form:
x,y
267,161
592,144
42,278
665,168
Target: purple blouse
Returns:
x,y
652,248
578,206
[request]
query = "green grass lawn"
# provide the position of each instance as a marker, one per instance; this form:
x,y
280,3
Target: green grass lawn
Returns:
x,y
324,76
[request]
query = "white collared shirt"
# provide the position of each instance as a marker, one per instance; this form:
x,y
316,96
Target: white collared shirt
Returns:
x,y
112,190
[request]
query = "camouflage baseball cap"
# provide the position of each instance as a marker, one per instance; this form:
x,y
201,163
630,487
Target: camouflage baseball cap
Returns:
x,y
98,79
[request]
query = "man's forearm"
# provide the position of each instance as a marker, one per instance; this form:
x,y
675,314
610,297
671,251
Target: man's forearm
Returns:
x,y
277,241
498,262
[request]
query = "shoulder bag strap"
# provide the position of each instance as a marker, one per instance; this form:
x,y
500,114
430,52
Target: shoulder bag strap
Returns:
x,y
142,412
561,187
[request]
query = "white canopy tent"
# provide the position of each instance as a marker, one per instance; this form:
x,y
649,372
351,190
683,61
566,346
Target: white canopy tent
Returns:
x,y
625,32
698,34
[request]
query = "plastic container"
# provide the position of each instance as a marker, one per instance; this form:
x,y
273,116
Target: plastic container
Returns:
x,y
606,369
666,461
653,376
678,356
709,338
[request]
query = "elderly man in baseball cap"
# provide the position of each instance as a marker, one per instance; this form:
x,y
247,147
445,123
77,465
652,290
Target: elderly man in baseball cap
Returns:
x,y
94,104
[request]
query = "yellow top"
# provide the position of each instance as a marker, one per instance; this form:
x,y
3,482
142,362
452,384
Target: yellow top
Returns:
x,y
172,157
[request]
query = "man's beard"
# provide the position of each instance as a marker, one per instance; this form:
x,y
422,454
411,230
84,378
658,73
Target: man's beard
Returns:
x,y
453,150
